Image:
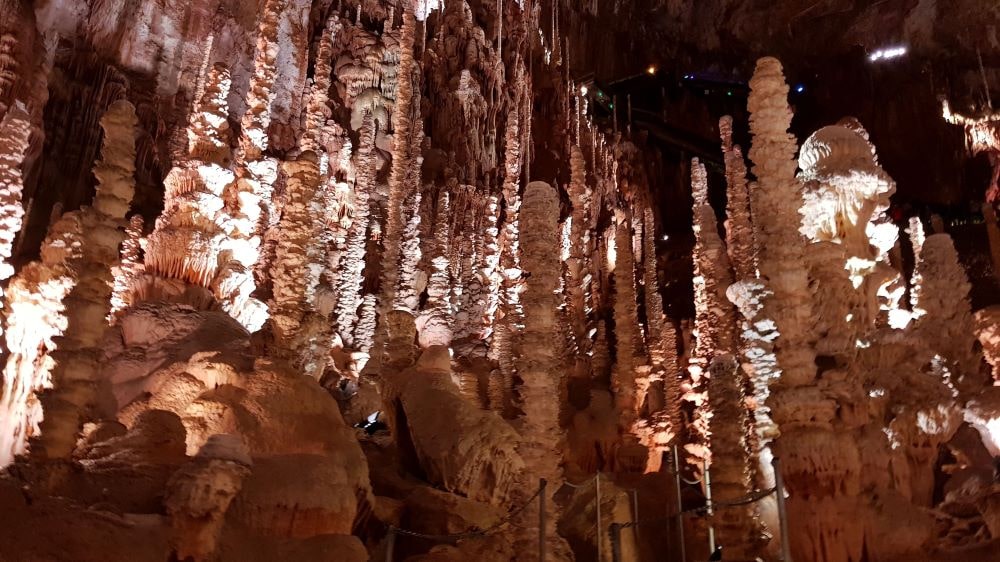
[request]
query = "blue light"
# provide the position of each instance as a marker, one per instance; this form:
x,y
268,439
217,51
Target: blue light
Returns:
x,y
800,88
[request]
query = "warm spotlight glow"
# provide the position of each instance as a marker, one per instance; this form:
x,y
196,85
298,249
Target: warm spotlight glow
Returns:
x,y
651,70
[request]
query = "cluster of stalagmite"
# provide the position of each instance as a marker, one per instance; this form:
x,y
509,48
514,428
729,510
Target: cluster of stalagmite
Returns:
x,y
508,332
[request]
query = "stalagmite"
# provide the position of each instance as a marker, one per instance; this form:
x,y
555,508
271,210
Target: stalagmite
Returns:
x,y
715,319
76,370
36,317
629,390
128,269
405,152
730,474
821,468
943,315
664,423
199,494
434,324
739,228
290,276
504,344
576,262
353,261
540,431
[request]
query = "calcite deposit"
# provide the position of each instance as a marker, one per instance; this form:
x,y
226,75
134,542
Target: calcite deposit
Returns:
x,y
445,281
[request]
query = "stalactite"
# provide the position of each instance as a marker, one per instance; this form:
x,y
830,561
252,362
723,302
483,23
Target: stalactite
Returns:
x,y
14,133
540,432
76,369
434,324
353,262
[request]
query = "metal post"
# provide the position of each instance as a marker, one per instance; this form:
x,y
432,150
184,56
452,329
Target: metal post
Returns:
x,y
600,529
616,542
779,491
709,512
680,504
390,546
635,514
541,520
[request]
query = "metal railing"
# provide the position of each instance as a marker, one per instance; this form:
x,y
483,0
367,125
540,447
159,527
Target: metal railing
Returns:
x,y
710,506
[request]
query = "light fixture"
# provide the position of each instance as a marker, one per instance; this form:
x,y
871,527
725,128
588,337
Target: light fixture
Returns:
x,y
887,53
651,70
583,90
800,88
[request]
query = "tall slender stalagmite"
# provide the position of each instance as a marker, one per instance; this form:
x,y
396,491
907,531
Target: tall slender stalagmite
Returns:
x,y
715,318
628,347
577,262
820,467
740,240
256,174
664,423
540,432
503,347
405,119
77,362
353,261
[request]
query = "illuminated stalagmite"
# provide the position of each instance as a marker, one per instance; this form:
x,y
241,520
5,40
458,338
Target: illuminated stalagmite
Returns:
x,y
77,368
14,130
715,318
539,427
37,315
820,467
